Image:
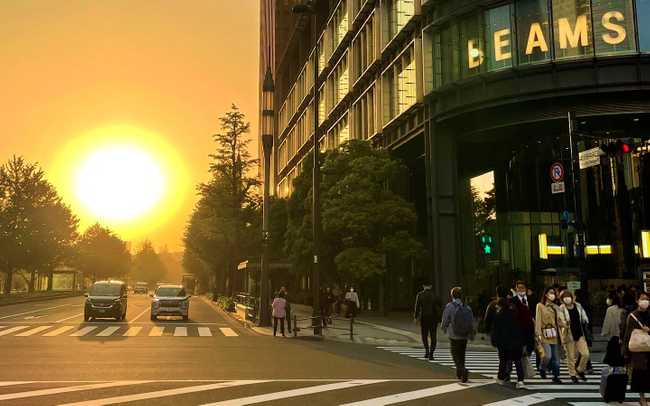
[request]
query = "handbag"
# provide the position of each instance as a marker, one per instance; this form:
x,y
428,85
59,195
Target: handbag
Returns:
x,y
549,331
639,339
529,371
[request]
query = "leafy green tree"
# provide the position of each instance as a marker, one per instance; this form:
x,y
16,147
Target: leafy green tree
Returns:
x,y
37,230
484,209
102,254
147,265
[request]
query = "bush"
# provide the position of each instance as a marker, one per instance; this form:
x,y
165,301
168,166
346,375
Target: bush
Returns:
x,y
227,303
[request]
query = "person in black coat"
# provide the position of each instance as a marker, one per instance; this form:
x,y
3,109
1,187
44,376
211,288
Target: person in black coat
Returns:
x,y
428,310
509,340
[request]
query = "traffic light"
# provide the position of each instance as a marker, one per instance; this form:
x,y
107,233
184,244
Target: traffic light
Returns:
x,y
487,244
621,147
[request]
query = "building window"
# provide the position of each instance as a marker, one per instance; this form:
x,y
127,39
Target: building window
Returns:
x,y
338,83
338,134
572,29
399,13
339,24
533,36
364,115
400,85
322,103
472,49
499,38
450,54
363,48
282,155
643,20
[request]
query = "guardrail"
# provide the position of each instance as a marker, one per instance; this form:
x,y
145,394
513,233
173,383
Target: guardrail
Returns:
x,y
250,304
313,320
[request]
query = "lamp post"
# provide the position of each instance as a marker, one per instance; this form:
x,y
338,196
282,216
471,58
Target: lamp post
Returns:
x,y
264,318
310,9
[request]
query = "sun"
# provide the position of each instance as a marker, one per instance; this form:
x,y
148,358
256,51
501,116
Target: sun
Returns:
x,y
124,177
119,183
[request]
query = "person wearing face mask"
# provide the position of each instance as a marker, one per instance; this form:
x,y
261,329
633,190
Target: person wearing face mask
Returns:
x,y
573,333
547,333
352,299
615,317
639,361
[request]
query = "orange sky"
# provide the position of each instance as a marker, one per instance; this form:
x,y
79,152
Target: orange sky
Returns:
x,y
168,67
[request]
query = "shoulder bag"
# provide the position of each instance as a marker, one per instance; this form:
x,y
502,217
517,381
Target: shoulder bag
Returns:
x,y
639,339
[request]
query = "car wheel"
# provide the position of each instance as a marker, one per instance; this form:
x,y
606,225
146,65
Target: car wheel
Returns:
x,y
86,317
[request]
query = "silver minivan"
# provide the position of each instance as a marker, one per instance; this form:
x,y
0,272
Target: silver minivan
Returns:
x,y
170,300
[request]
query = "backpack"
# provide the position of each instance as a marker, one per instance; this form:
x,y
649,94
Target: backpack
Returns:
x,y
463,321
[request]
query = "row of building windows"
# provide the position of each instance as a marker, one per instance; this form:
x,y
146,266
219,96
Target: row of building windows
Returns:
x,y
545,30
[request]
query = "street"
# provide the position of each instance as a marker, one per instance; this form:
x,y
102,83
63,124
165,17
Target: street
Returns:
x,y
51,357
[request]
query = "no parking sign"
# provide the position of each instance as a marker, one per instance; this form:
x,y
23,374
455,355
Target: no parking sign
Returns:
x,y
557,172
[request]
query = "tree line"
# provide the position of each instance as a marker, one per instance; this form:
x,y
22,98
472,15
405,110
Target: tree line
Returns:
x,y
39,232
365,221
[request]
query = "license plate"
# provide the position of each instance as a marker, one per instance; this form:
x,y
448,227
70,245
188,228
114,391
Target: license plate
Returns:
x,y
102,310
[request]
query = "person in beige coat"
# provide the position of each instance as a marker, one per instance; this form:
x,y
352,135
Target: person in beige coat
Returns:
x,y
573,328
547,331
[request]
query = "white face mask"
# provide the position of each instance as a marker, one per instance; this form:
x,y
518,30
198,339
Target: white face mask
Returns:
x,y
568,300
609,302
521,294
643,304
551,297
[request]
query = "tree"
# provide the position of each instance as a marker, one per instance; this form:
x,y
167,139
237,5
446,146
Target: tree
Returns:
x,y
102,254
225,227
483,209
37,230
147,265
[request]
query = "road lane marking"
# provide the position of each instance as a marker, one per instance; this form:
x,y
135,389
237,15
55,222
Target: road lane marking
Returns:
x,y
414,395
228,332
139,315
58,331
56,391
12,330
11,383
108,331
68,318
33,331
132,332
310,390
156,331
205,332
180,332
83,331
32,311
163,393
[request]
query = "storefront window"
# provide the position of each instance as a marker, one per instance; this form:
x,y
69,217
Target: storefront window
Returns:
x,y
472,50
643,20
572,29
499,38
613,27
450,54
533,39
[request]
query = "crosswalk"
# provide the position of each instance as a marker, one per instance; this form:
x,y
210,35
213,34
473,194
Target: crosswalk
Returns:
x,y
486,364
114,330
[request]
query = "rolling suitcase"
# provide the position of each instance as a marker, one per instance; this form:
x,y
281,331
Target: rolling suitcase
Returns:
x,y
613,384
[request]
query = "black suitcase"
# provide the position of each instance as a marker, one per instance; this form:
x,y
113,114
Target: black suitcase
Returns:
x,y
613,384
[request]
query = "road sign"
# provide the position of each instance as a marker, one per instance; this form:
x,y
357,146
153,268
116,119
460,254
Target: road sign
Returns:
x,y
557,187
573,285
557,172
590,157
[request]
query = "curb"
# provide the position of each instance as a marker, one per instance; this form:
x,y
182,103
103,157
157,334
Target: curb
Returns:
x,y
38,299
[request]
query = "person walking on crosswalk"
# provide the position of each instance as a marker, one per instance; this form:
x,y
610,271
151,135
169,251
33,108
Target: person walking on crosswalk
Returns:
x,y
458,323
639,361
573,333
509,340
547,332
427,313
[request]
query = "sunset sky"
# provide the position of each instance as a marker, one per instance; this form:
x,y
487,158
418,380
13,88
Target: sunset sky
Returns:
x,y
78,76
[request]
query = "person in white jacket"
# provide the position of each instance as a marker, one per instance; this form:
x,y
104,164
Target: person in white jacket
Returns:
x,y
614,317
352,299
574,329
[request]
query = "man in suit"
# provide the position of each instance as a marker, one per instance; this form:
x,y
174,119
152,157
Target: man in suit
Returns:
x,y
428,313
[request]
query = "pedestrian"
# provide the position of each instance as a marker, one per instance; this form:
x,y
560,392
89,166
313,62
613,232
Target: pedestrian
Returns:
x,y
427,313
491,309
326,300
458,323
525,320
615,318
279,313
352,300
639,361
285,291
509,340
574,336
547,332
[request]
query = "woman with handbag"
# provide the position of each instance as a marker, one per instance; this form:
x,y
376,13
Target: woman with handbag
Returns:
x,y
574,336
636,347
547,332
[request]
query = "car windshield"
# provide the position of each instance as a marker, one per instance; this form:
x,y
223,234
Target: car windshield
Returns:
x,y
141,284
105,289
170,292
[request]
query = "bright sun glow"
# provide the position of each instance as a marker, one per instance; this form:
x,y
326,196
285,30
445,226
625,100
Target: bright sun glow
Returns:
x,y
119,183
123,177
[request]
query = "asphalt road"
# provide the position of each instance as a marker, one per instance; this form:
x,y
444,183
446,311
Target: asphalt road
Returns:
x,y
49,356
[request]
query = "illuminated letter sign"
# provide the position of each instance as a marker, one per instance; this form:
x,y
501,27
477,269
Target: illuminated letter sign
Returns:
x,y
572,38
474,55
536,39
618,30
500,43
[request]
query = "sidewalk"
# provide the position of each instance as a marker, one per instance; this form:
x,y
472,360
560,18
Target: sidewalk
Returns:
x,y
34,297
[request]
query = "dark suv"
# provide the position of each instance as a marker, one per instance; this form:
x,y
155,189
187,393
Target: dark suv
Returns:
x,y
106,299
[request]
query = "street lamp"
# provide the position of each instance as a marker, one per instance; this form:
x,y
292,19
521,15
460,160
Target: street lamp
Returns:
x,y
268,88
310,9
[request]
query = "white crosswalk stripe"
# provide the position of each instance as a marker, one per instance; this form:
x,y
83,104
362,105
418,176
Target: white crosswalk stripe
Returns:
x,y
33,331
83,331
114,330
180,332
58,331
156,331
486,363
228,332
132,332
108,331
204,332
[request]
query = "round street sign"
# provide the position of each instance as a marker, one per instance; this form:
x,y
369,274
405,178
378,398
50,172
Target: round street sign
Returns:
x,y
557,172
